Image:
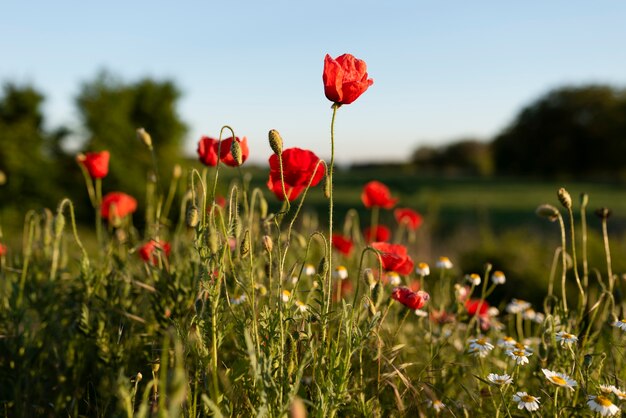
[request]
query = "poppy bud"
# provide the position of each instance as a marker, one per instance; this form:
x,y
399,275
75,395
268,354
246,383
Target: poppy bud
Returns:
x,y
177,171
192,217
564,198
235,151
139,377
369,278
322,268
327,187
244,249
144,137
213,243
263,207
584,199
547,211
268,243
276,142
603,213
59,224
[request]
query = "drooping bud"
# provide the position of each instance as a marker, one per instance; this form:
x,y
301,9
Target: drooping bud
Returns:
x,y
603,213
369,278
192,217
235,151
244,249
177,171
547,211
144,137
276,142
268,243
564,198
322,268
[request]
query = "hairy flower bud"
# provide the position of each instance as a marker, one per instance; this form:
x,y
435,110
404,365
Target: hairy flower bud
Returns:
x,y
547,211
603,213
144,137
235,151
268,243
192,217
276,142
564,198
322,268
327,187
244,249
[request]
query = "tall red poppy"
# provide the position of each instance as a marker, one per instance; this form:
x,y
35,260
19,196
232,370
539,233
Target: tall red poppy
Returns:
x,y
208,147
148,251
394,257
343,244
382,233
299,168
478,307
410,299
123,203
345,78
96,163
408,217
376,193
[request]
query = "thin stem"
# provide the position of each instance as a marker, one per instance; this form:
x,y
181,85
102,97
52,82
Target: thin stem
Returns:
x,y
564,266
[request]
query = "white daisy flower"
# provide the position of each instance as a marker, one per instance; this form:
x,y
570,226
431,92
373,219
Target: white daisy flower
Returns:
x,y
602,405
520,356
437,405
565,338
341,272
619,393
529,314
493,311
607,389
309,269
444,263
473,278
394,278
498,277
301,306
524,400
294,279
480,347
238,300
421,313
286,295
506,342
559,379
499,379
422,269
621,324
539,318
517,306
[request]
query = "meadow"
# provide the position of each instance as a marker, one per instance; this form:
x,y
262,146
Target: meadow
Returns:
x,y
301,290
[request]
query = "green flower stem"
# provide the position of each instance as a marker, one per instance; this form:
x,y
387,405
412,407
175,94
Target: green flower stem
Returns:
x,y
581,302
564,260
97,207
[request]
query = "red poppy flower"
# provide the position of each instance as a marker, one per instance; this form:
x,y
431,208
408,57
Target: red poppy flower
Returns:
x,y
478,307
343,244
148,251
208,147
299,168
96,163
394,257
410,299
3,249
123,203
377,194
408,217
382,233
345,78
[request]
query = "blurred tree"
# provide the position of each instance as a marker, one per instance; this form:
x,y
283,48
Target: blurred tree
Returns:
x,y
570,131
112,110
27,151
462,157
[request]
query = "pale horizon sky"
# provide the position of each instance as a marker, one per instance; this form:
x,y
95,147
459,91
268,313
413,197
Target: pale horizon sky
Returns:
x,y
442,70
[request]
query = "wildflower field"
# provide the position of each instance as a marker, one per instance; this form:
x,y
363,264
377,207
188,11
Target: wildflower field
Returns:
x,y
253,302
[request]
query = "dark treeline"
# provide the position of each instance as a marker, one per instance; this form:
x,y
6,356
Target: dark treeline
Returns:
x,y
570,132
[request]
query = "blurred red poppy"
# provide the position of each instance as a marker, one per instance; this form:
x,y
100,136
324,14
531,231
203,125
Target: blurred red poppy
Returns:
x,y
376,193
3,249
382,233
408,217
478,307
345,78
123,204
299,168
343,244
410,299
208,147
148,252
394,257
96,163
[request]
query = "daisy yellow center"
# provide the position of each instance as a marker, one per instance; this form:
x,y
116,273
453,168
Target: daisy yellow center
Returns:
x,y
508,339
422,265
481,341
558,380
567,336
519,353
528,398
519,346
623,321
500,380
603,401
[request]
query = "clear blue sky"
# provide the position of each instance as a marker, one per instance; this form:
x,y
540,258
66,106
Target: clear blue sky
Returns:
x,y
442,69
